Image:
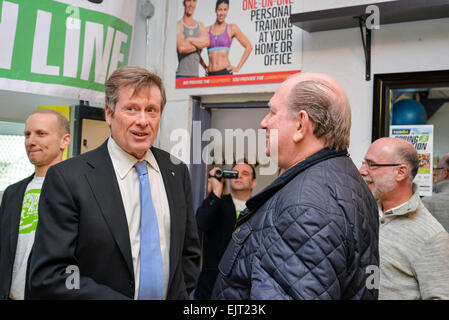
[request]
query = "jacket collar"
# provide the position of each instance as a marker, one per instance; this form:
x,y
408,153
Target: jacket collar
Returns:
x,y
410,205
259,199
124,162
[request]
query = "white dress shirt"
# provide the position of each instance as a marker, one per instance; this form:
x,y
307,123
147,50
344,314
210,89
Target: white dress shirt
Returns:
x,y
128,181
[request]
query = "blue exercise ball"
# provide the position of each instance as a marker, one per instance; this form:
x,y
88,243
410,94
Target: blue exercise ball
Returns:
x,y
407,111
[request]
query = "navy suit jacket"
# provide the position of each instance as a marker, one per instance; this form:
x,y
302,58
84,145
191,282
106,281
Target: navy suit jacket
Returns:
x,y
10,211
82,222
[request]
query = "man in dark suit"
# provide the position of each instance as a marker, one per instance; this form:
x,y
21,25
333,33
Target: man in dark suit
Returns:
x,y
91,241
47,134
216,218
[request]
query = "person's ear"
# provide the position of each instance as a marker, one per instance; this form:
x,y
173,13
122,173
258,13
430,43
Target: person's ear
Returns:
x,y
65,141
302,126
401,172
108,115
253,184
446,174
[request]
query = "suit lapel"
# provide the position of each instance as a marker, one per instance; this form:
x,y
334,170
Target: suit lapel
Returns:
x,y
16,212
104,185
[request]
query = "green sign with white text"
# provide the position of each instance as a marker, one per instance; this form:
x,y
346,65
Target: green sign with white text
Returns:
x,y
63,48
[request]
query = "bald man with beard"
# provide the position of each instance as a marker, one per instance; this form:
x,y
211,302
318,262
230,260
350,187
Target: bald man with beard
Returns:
x,y
413,246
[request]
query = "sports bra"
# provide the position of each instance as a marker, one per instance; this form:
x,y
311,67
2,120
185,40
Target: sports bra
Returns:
x,y
219,41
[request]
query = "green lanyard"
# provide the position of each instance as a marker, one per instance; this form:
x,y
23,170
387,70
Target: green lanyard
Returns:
x,y
237,213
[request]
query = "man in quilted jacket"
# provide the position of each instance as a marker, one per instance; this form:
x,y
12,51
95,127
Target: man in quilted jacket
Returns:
x,y
313,233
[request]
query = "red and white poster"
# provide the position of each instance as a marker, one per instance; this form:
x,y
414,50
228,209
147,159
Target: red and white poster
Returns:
x,y
236,42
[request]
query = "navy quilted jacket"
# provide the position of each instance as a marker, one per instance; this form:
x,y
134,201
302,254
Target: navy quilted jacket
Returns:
x,y
311,234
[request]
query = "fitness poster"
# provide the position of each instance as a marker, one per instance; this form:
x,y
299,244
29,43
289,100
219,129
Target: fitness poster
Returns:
x,y
248,42
421,137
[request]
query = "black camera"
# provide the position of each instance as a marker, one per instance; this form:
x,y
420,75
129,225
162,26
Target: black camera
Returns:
x,y
226,174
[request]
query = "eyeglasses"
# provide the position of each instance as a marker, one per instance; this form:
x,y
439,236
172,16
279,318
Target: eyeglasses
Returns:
x,y
371,165
440,168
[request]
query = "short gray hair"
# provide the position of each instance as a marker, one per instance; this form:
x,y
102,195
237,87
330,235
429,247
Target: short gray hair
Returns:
x,y
409,156
329,111
136,77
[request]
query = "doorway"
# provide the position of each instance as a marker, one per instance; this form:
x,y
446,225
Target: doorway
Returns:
x,y
230,132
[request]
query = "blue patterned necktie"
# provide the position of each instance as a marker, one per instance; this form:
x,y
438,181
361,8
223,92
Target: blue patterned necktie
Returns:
x,y
151,271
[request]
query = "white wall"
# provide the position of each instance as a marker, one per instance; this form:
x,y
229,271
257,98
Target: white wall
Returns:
x,y
17,106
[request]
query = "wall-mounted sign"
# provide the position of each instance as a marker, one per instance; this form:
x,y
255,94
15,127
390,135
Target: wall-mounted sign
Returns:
x,y
236,42
421,137
63,48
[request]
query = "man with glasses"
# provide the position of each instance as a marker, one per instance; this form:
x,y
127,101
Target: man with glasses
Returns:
x,y
413,246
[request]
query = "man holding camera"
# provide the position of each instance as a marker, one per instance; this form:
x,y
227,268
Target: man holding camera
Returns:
x,y
216,218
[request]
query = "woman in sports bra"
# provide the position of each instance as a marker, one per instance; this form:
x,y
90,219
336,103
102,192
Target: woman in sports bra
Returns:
x,y
220,39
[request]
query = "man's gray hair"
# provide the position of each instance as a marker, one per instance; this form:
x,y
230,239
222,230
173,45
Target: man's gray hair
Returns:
x,y
409,156
328,109
136,77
